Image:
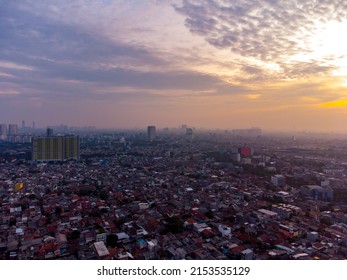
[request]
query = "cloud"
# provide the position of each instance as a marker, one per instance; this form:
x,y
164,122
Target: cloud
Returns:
x,y
306,69
28,37
140,58
54,77
265,30
44,57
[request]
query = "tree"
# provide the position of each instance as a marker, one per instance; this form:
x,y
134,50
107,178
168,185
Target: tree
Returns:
x,y
104,211
111,240
174,225
58,210
326,221
209,214
75,234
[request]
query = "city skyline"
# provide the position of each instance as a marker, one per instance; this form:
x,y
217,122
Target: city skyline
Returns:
x,y
215,64
217,197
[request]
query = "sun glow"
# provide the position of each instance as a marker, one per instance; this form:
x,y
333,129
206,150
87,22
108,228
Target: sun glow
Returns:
x,y
328,44
253,96
334,104
330,41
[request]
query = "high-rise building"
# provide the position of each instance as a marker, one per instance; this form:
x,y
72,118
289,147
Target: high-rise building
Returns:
x,y
47,148
23,124
278,180
3,131
71,147
245,151
55,148
49,132
12,129
151,132
189,134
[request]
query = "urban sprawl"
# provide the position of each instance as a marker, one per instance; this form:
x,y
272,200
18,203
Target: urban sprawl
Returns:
x,y
181,193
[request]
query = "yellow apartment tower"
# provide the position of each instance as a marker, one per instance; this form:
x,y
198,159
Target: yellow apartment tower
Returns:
x,y
55,148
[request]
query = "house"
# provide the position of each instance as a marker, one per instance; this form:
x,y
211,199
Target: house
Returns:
x,y
101,250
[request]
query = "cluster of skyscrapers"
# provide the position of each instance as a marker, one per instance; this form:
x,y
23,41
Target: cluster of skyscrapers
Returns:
x,y
10,133
5,131
14,134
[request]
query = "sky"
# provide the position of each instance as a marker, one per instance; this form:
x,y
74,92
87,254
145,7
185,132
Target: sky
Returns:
x,y
278,65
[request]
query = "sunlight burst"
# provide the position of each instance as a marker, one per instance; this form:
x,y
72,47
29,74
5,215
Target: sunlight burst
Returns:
x,y
329,44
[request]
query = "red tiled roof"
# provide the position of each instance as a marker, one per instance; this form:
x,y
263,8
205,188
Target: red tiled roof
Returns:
x,y
317,246
237,249
191,221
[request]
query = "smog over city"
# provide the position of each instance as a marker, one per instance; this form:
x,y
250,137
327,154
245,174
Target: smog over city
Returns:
x,y
170,130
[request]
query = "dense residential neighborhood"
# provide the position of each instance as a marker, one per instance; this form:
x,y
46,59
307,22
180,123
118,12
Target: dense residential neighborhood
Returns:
x,y
198,195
